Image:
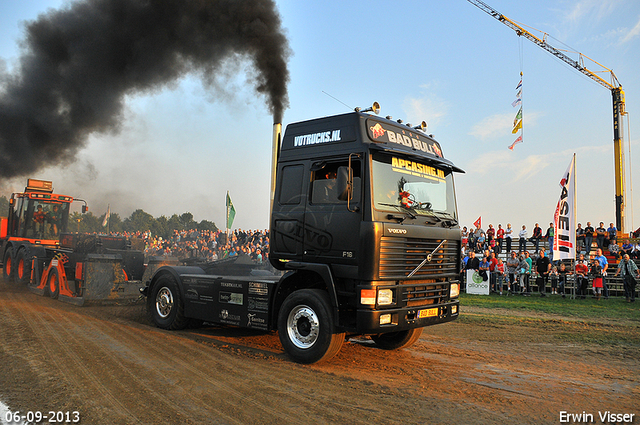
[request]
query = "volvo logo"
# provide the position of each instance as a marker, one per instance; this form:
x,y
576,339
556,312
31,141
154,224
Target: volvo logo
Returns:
x,y
398,231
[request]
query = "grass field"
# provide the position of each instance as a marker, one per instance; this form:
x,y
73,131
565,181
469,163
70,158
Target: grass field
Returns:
x,y
601,322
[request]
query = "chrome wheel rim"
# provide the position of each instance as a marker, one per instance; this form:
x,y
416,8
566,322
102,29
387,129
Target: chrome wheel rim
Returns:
x,y
303,327
164,302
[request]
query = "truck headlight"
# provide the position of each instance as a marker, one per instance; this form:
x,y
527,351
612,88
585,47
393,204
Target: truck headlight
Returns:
x,y
454,290
385,297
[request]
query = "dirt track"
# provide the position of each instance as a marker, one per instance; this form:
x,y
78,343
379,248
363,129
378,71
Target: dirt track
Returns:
x,y
109,364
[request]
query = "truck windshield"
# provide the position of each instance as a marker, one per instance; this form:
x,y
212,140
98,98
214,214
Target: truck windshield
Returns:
x,y
423,187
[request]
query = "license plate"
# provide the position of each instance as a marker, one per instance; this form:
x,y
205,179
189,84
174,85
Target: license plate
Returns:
x,y
430,312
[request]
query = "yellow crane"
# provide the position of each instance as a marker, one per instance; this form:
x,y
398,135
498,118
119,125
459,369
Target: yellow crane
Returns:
x,y
616,92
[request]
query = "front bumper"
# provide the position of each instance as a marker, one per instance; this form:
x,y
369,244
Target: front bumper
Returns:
x,y
406,317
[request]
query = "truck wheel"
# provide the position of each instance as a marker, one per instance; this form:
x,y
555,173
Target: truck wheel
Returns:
x,y
165,306
22,268
305,327
53,283
396,340
7,269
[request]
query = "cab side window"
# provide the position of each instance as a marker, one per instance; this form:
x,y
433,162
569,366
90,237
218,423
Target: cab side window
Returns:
x,y
324,188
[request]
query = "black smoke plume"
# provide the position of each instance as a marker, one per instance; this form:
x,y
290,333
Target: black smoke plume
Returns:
x,y
78,64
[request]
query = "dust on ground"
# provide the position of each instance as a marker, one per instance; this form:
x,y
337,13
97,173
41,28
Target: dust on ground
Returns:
x,y
489,367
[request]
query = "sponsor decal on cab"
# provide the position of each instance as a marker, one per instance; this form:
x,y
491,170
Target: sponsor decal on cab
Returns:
x,y
409,139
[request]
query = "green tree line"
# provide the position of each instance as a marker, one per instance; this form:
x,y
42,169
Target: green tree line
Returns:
x,y
138,221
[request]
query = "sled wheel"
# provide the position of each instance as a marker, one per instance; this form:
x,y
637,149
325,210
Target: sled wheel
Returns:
x,y
53,283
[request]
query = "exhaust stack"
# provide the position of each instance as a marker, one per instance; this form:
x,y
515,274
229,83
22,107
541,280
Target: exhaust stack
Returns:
x,y
275,153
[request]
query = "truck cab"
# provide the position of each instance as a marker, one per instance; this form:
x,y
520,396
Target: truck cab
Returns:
x,y
365,207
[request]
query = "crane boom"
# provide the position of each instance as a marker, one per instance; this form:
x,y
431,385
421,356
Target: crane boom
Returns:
x,y
616,92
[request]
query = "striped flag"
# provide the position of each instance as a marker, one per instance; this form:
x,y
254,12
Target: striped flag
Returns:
x,y
517,127
518,140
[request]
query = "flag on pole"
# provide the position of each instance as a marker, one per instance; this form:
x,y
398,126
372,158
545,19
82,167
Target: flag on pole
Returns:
x,y
518,140
564,219
231,212
516,102
478,222
519,84
107,216
518,116
517,127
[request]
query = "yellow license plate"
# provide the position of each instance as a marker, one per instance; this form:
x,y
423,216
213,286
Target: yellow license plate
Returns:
x,y
430,312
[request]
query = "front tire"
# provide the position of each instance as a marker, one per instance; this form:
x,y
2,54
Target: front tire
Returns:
x,y
165,306
397,340
306,328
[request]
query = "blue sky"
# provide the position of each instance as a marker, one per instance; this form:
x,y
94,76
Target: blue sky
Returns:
x,y
447,63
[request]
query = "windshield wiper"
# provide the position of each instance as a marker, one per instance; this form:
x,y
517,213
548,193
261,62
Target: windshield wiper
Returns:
x,y
408,210
451,221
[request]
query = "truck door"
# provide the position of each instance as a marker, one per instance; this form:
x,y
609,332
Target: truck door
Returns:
x,y
288,213
331,230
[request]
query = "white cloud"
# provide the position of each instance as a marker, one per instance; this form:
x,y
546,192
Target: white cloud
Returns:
x,y
500,125
635,32
493,126
431,110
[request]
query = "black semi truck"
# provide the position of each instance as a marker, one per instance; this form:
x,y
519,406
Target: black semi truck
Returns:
x,y
364,234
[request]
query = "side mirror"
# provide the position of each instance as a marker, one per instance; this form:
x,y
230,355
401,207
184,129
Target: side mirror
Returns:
x,y
344,184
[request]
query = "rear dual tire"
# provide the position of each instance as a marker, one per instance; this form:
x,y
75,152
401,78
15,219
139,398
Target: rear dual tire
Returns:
x,y
8,265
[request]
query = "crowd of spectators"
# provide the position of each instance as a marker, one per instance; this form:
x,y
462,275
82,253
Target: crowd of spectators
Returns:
x,y
207,245
481,252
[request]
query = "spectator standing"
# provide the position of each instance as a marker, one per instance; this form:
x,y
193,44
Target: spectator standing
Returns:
x,y
562,278
579,237
499,239
627,269
596,273
465,236
601,234
588,238
604,265
512,272
522,239
543,266
508,235
473,263
499,271
523,271
491,235
529,261
493,262
553,277
549,237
